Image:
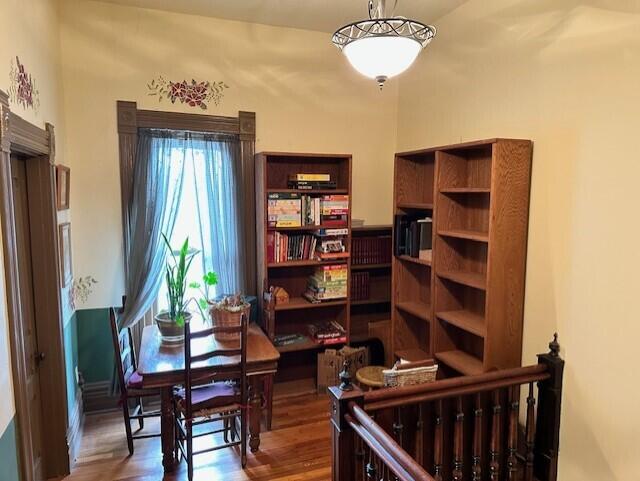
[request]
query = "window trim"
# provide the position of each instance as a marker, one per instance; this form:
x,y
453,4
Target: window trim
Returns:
x,y
130,119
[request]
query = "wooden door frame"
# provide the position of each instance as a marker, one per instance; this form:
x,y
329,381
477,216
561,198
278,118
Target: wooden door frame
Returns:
x,y
18,136
130,119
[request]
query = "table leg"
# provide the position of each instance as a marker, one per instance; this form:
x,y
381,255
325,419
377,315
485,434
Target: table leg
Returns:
x,y
255,411
167,428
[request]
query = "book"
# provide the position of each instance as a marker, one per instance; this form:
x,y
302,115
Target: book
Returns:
x,y
311,177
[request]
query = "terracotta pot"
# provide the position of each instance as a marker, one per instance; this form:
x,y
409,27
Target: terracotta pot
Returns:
x,y
171,333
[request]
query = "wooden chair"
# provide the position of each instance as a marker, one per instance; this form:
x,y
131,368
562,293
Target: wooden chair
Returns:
x,y
225,400
130,382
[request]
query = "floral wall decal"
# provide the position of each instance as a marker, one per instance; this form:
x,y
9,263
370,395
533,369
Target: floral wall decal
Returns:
x,y
194,94
22,88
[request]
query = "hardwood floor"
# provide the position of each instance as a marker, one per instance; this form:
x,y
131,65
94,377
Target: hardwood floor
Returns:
x,y
298,448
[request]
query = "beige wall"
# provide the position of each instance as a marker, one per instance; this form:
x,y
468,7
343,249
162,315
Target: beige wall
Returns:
x,y
28,29
564,74
305,96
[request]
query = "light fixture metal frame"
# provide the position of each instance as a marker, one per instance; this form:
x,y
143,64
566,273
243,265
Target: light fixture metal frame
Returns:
x,y
384,27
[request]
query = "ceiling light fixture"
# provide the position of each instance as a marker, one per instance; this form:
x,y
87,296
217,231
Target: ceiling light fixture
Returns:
x,y
383,46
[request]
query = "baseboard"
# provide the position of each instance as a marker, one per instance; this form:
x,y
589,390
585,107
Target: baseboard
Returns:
x,y
74,432
96,396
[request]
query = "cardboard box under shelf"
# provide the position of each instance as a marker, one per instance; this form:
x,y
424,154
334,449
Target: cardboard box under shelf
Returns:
x,y
330,364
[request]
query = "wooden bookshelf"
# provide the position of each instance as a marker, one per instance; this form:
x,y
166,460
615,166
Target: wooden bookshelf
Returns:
x,y
377,306
297,366
477,194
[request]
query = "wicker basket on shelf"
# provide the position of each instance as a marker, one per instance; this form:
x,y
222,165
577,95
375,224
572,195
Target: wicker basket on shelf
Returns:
x,y
409,376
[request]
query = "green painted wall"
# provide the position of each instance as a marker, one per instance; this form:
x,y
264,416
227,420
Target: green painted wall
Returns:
x,y
71,360
9,454
95,348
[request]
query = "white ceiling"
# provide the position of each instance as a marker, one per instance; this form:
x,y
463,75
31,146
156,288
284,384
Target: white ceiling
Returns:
x,y
321,15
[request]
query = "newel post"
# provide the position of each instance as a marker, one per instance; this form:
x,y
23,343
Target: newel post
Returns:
x,y
343,443
547,438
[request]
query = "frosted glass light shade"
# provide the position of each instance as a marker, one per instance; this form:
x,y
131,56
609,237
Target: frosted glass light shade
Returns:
x,y
381,58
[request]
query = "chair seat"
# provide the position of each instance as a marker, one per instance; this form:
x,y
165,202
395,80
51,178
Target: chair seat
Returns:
x,y
212,396
135,381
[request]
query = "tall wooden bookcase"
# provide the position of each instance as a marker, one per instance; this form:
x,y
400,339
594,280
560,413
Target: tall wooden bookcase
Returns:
x,y
464,307
297,365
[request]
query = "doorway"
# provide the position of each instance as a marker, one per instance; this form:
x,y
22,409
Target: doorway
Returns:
x,y
33,355
28,220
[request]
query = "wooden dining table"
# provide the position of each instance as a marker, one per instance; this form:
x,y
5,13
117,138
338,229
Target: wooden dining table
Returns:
x,y
161,366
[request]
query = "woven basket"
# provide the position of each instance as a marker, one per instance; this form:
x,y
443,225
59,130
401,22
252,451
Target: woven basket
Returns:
x,y
225,318
409,377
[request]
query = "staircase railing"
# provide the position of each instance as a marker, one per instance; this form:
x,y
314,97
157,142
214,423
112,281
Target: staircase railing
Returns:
x,y
500,425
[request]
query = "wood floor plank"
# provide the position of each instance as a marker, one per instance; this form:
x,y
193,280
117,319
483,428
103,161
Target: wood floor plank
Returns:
x,y
297,449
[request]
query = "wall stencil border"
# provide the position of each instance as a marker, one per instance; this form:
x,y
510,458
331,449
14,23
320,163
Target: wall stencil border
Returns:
x,y
194,93
22,86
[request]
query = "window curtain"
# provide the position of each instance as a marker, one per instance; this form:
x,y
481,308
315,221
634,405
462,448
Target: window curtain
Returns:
x,y
220,209
157,187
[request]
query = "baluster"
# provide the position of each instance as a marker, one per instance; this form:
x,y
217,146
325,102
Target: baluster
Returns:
x,y
514,409
476,470
494,446
458,435
360,458
398,427
530,432
420,435
437,444
371,466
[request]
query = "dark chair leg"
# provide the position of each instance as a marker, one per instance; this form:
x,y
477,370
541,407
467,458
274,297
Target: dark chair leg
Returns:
x,y
268,388
127,424
225,422
243,436
189,450
141,420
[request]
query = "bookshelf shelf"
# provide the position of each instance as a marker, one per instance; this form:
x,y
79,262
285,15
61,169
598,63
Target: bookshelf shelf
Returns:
x,y
461,362
479,195
274,172
296,303
466,320
364,302
415,260
418,309
465,234
366,267
304,263
470,279
414,205
309,191
465,190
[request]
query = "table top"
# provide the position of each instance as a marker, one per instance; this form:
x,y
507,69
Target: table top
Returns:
x,y
160,363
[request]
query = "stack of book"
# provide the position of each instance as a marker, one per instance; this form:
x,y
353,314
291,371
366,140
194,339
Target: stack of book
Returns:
x,y
327,283
335,210
330,243
327,332
284,209
371,250
290,247
310,182
280,340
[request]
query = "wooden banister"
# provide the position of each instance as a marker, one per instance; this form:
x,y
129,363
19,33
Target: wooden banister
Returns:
x,y
465,428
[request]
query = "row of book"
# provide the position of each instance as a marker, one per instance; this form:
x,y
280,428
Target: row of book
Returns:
x,y
291,209
360,286
327,283
371,250
311,182
323,244
413,236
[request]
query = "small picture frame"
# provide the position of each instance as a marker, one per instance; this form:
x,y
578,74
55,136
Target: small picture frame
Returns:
x,y
63,183
66,267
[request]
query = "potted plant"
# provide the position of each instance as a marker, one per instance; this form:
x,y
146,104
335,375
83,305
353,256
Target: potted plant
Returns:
x,y
171,322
